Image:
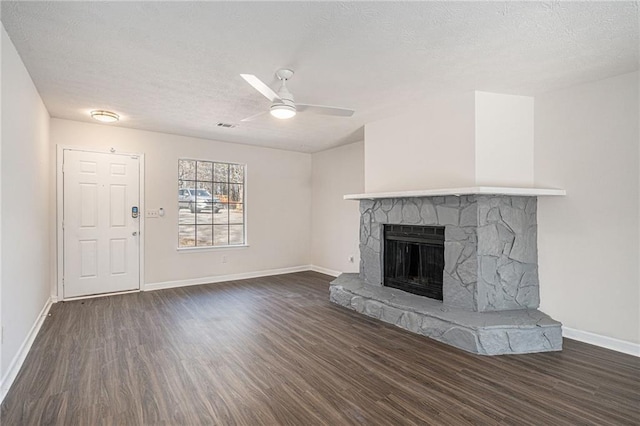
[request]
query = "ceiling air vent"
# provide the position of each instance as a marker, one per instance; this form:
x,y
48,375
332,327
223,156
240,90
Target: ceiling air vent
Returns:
x,y
226,125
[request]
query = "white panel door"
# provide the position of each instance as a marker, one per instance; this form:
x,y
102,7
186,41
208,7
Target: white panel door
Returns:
x,y
101,236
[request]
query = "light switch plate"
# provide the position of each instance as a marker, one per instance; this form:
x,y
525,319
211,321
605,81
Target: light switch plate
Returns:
x,y
152,213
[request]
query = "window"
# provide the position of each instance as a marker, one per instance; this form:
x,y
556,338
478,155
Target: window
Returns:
x,y
211,210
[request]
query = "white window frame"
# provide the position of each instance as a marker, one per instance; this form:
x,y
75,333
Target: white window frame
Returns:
x,y
244,208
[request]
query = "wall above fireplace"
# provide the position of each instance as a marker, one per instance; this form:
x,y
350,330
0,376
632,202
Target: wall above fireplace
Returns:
x,y
469,139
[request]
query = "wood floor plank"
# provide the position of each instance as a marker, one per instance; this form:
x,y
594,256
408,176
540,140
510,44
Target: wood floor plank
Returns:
x,y
274,351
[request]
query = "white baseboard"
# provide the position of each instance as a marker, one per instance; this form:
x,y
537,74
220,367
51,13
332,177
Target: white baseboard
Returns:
x,y
18,360
602,341
222,278
324,270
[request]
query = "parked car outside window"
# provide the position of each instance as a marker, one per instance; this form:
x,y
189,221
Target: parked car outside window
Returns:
x,y
197,200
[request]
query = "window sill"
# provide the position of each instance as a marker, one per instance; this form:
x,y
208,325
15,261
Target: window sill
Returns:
x,y
214,248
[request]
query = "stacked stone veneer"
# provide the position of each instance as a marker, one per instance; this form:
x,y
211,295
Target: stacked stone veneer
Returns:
x,y
491,259
490,277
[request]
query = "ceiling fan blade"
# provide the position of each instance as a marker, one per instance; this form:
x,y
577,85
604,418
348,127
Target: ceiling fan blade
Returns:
x,y
260,86
255,116
325,110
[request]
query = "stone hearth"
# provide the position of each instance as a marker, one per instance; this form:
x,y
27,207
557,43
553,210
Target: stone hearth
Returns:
x,y
490,277
484,333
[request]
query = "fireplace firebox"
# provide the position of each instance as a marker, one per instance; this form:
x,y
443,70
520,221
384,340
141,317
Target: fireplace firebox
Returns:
x,y
413,259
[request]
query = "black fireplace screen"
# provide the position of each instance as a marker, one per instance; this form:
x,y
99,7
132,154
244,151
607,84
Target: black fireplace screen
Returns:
x,y
414,259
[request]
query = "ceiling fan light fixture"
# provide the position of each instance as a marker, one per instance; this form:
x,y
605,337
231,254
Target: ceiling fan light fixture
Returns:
x,y
282,111
105,116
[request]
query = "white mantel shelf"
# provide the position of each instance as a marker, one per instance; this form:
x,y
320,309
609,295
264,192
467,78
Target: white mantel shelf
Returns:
x,y
471,190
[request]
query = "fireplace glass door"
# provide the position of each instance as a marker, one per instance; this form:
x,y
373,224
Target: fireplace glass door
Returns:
x,y
414,259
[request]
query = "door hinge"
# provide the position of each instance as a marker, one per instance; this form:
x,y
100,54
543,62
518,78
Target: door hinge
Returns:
x,y
62,167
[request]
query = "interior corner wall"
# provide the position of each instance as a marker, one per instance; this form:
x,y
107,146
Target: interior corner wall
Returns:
x,y
587,142
433,146
25,255
504,140
278,200
335,222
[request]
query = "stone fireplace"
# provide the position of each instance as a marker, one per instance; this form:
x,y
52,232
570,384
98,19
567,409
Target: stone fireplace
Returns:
x,y
489,269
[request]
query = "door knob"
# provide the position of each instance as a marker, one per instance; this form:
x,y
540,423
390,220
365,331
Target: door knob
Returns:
x,y
134,233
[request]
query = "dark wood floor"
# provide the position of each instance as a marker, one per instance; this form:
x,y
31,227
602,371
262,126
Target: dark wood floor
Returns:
x,y
275,351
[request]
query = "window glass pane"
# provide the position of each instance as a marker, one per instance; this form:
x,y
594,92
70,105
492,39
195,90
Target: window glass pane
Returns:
x,y
236,193
222,217
204,217
204,236
186,236
221,172
205,171
204,189
236,234
205,192
182,196
221,235
185,217
236,215
218,209
221,190
186,170
236,173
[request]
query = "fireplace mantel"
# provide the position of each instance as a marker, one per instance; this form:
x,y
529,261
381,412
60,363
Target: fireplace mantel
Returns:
x,y
471,190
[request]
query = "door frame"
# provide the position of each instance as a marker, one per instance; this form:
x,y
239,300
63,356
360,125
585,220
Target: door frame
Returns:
x,y
60,214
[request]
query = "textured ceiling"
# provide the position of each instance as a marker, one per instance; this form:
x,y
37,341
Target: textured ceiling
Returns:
x,y
174,66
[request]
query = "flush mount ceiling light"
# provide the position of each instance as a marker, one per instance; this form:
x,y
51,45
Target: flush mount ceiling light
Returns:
x,y
105,116
282,111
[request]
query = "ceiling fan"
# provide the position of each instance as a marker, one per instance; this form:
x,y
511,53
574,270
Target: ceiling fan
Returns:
x,y
282,103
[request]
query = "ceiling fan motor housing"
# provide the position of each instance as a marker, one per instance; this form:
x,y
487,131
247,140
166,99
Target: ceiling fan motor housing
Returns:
x,y
286,100
285,95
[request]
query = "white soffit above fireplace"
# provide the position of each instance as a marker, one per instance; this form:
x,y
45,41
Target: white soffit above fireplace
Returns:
x,y
471,190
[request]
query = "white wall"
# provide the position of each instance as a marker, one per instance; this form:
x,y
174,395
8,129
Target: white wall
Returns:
x,y
477,138
335,222
433,146
278,200
587,142
25,201
504,140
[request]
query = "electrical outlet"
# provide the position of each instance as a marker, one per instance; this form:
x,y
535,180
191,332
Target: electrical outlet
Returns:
x,y
224,259
152,213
